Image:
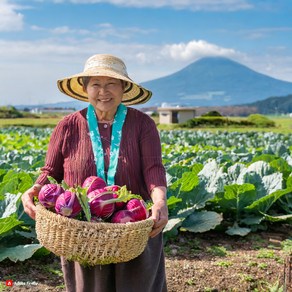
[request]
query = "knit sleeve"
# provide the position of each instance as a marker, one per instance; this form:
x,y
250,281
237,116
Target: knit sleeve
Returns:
x,y
150,146
54,158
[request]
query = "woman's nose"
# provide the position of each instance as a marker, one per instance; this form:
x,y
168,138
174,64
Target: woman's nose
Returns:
x,y
102,88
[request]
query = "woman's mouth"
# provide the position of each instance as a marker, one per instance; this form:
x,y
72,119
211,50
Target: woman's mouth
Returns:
x,y
104,100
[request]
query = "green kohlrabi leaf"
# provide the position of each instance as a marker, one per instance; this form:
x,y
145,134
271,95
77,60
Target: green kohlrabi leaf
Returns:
x,y
172,201
254,172
52,180
289,181
236,198
262,168
281,165
264,157
277,218
7,224
188,181
19,253
212,177
273,182
197,198
9,185
201,221
262,205
261,176
252,220
25,182
83,200
14,182
171,228
176,171
237,230
9,205
234,171
186,189
173,223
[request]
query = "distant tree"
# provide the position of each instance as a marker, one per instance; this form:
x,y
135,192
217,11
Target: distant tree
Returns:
x,y
9,112
212,114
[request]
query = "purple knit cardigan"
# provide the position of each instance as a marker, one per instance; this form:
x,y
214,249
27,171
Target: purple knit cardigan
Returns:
x,y
70,157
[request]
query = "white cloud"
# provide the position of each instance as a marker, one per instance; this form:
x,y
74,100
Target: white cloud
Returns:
x,y
264,32
36,66
209,95
277,64
105,30
195,5
10,20
99,31
196,49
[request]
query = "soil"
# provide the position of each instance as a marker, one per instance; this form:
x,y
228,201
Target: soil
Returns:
x,y
211,261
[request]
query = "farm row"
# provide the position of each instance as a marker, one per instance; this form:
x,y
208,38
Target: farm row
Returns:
x,y
236,182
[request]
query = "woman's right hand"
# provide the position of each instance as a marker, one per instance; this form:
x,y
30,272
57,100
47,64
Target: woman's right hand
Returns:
x,y
27,200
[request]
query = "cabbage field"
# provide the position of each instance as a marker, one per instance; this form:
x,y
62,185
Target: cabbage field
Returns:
x,y
234,182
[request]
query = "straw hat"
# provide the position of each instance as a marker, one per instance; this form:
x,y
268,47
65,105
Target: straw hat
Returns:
x,y
104,65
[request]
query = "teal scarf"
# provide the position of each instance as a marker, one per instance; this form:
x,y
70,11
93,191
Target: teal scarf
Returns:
x,y
115,142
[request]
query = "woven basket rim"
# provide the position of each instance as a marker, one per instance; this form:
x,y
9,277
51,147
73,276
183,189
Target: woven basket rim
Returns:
x,y
91,243
68,220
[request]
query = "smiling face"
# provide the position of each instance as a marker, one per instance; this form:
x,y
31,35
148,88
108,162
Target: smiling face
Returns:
x,y
105,94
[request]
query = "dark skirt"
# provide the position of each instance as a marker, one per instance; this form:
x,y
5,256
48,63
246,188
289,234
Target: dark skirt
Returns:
x,y
146,273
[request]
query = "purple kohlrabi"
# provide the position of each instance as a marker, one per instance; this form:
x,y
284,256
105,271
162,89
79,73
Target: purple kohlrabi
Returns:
x,y
99,203
115,189
123,216
49,194
68,204
93,183
138,208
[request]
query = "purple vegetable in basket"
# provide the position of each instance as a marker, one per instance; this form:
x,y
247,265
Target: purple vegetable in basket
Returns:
x,y
115,189
138,209
93,183
68,204
100,204
49,194
123,216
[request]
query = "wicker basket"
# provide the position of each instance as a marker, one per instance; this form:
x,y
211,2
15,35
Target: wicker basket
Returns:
x,y
91,243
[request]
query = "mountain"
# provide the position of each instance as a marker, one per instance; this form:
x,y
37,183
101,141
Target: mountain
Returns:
x,y
212,81
73,104
215,81
273,105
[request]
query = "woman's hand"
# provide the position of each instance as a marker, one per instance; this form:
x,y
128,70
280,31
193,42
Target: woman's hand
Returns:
x,y
27,200
159,210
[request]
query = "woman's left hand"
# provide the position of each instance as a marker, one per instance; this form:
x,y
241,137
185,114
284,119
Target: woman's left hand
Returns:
x,y
159,210
159,216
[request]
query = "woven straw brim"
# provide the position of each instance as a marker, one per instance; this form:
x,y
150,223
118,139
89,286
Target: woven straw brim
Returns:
x,y
133,94
91,243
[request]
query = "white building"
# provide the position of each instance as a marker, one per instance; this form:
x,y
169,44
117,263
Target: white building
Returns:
x,y
175,115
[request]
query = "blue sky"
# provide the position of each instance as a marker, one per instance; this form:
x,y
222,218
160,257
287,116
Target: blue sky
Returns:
x,y
45,40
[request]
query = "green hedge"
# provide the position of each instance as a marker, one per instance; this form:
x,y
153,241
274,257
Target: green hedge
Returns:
x,y
260,121
254,120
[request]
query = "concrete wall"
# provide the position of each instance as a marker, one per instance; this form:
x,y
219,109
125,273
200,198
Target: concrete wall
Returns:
x,y
165,117
175,115
183,116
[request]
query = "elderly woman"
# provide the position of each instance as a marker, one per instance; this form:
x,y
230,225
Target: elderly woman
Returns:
x,y
121,145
